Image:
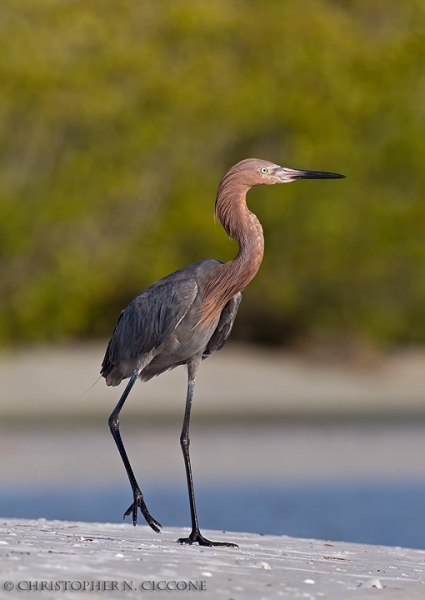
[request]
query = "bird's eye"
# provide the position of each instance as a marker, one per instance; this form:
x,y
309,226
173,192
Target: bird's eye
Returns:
x,y
264,170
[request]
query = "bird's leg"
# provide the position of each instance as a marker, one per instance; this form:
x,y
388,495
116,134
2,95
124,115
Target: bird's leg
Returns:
x,y
114,425
195,534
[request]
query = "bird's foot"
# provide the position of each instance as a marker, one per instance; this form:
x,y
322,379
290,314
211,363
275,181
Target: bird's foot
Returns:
x,y
197,537
140,503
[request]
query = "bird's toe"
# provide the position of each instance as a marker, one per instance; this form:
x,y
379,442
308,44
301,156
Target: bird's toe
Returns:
x,y
197,538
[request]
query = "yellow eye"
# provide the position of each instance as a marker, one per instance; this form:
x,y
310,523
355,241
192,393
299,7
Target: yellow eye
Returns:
x,y
264,170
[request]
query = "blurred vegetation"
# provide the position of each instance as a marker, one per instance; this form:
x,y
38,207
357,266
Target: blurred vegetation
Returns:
x,y
118,120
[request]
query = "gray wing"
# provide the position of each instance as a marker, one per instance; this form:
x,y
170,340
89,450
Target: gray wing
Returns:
x,y
224,326
149,320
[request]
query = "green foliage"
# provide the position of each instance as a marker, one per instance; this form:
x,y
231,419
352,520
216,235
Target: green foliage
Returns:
x,y
118,120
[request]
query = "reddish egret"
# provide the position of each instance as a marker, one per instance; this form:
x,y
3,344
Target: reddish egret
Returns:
x,y
187,315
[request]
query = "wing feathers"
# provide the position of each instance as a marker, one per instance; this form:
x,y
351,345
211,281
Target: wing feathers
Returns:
x,y
149,320
224,326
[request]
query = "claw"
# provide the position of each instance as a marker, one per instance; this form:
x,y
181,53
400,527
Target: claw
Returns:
x,y
197,537
140,503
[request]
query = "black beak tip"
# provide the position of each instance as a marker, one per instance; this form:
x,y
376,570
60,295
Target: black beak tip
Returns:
x,y
323,175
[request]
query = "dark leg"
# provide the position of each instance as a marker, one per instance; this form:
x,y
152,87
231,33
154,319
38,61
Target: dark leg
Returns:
x,y
114,425
195,535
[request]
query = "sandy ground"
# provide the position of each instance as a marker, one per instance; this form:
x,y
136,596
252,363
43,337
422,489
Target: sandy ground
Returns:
x,y
53,559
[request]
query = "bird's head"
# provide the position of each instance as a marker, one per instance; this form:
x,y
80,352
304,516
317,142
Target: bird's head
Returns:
x,y
247,174
254,171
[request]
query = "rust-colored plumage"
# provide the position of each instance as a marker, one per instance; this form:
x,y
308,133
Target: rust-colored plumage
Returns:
x,y
187,315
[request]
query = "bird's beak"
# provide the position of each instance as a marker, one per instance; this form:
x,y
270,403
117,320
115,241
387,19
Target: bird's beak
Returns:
x,y
286,175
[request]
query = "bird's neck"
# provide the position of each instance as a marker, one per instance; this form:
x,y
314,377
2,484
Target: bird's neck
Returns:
x,y
243,226
249,234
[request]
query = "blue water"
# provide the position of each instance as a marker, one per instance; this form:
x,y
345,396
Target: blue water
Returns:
x,y
387,513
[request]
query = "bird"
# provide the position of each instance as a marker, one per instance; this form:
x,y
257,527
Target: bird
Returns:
x,y
188,315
